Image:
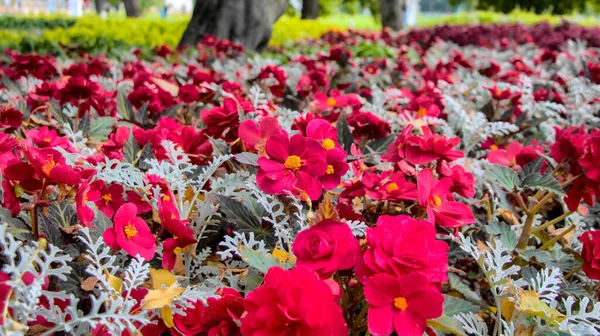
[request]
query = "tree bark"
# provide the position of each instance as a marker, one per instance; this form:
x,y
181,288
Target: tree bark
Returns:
x,y
248,22
132,8
99,4
310,9
391,14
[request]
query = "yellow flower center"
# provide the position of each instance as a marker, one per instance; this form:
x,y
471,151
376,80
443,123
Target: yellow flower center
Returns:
x,y
177,250
331,102
49,165
130,231
330,170
173,216
47,140
391,187
422,112
166,198
494,147
400,303
328,144
498,92
293,162
437,201
107,198
370,70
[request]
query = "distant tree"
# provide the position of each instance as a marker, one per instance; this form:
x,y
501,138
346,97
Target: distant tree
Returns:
x,y
310,9
132,8
392,14
249,22
537,6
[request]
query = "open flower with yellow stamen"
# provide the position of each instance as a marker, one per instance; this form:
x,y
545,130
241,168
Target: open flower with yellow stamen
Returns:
x,y
130,233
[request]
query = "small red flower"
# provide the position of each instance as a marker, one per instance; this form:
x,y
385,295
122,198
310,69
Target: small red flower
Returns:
x,y
515,155
435,196
294,164
402,304
87,193
366,124
47,138
326,247
130,233
254,136
10,118
431,147
110,199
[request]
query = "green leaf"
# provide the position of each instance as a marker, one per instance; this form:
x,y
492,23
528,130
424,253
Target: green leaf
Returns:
x,y
262,261
84,124
381,145
11,85
544,182
247,158
62,214
141,116
507,236
454,305
458,285
504,176
447,325
124,107
101,223
531,168
72,285
345,137
18,227
101,127
146,154
170,112
58,115
245,220
130,150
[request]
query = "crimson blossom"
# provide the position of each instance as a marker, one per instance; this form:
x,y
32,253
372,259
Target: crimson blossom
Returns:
x,y
293,165
293,302
130,233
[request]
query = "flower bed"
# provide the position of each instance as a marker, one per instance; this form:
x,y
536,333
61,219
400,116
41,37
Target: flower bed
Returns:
x,y
360,182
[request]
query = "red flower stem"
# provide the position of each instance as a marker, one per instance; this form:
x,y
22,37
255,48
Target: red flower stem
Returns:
x,y
524,239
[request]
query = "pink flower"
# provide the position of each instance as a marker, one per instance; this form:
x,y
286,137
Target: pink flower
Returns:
x,y
336,168
130,233
10,200
435,196
591,253
431,147
390,186
293,165
111,198
326,247
220,316
189,93
463,182
366,124
171,221
402,304
515,155
139,201
86,193
293,302
254,136
10,118
226,118
336,100
591,157
47,138
396,151
172,247
401,245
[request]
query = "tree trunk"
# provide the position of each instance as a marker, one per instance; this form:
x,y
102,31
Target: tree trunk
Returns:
x,y
310,9
99,4
248,22
132,8
391,14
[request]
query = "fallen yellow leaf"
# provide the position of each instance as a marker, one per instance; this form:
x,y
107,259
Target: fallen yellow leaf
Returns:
x,y
115,283
161,277
283,255
160,298
167,315
530,302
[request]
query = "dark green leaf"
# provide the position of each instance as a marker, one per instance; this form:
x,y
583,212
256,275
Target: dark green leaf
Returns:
x,y
531,168
130,150
50,230
454,305
245,220
62,214
74,279
507,236
101,223
170,112
545,182
345,137
11,85
124,107
101,127
458,285
58,115
504,176
381,145
141,116
146,154
247,158
261,261
84,124
16,226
